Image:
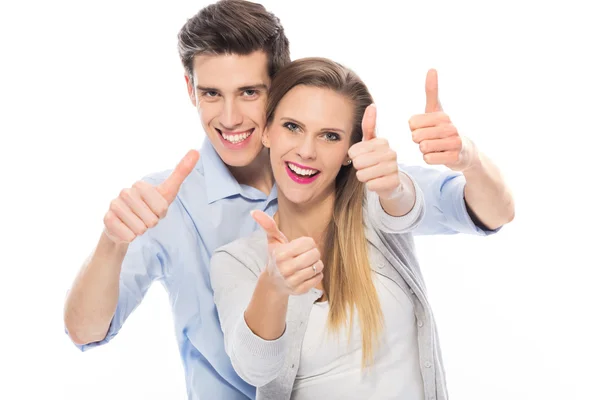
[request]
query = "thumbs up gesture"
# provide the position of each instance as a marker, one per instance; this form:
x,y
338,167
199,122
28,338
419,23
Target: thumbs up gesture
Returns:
x,y
294,266
375,162
438,138
141,206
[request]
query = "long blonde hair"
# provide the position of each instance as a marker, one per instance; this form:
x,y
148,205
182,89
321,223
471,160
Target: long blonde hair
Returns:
x,y
347,274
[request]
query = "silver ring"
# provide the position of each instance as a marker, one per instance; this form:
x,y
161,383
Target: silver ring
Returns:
x,y
315,268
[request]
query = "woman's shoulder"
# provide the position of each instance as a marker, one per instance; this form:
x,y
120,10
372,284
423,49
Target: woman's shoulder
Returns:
x,y
249,251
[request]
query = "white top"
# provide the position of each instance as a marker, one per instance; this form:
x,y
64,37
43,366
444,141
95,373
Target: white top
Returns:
x,y
329,365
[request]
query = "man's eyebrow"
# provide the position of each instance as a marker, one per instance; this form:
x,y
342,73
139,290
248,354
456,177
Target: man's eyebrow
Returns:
x,y
240,89
206,89
253,87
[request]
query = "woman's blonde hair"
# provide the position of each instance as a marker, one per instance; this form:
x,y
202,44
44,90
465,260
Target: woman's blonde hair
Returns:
x,y
347,274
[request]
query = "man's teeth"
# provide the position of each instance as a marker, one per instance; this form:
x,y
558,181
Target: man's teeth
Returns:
x,y
236,138
302,171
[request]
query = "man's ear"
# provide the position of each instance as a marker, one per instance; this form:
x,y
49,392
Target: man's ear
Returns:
x,y
189,82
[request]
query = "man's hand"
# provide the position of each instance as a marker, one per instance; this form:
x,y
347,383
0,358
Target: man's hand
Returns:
x,y
141,206
294,267
438,138
375,162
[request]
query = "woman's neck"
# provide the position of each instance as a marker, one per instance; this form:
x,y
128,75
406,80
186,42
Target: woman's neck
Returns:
x,y
310,220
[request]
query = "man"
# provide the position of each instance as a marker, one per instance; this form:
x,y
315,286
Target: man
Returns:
x,y
230,51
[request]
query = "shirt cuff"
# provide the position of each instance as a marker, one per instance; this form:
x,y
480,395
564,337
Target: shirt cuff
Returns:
x,y
112,332
250,347
458,216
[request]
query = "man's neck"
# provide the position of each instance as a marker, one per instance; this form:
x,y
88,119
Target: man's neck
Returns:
x,y
257,175
305,220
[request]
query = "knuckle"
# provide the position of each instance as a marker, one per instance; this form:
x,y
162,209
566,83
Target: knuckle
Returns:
x,y
153,222
114,205
163,208
125,194
451,129
316,253
278,256
457,142
360,175
129,236
415,136
309,241
320,266
109,218
141,185
412,124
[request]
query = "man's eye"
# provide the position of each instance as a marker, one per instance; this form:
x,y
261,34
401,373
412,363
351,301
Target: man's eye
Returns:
x,y
250,92
210,93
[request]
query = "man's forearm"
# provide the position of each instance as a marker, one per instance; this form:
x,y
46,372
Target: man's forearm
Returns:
x,y
267,310
93,298
487,194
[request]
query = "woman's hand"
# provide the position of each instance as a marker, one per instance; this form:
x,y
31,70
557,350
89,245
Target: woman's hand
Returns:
x,y
294,267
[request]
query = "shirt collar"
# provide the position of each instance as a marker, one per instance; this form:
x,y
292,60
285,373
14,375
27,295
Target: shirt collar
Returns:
x,y
219,181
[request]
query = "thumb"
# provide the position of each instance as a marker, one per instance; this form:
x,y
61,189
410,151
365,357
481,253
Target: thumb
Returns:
x,y
368,122
170,186
269,226
432,98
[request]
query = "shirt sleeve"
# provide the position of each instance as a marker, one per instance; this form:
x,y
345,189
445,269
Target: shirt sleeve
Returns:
x,y
445,207
141,266
256,361
390,224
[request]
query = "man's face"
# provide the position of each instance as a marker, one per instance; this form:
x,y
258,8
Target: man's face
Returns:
x,y
230,94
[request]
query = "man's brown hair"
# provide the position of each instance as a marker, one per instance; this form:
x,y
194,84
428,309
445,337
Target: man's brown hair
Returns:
x,y
233,27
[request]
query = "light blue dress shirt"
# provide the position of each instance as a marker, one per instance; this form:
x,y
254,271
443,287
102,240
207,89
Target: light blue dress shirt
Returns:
x,y
211,210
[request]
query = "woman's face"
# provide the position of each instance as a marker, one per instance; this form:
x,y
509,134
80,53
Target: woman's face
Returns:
x,y
309,139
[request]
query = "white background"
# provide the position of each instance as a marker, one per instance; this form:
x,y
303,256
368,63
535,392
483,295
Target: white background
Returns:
x,y
93,98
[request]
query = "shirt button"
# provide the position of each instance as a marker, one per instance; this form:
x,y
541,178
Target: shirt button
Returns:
x,y
420,323
293,365
380,265
427,364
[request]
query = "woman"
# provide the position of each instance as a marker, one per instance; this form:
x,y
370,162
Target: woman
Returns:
x,y
331,300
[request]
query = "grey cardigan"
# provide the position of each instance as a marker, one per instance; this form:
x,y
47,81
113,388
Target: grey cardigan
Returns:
x,y
272,366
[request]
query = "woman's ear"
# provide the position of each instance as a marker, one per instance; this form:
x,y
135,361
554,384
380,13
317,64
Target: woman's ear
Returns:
x,y
265,139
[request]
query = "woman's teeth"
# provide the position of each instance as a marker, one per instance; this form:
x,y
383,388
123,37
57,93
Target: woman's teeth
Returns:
x,y
236,138
302,171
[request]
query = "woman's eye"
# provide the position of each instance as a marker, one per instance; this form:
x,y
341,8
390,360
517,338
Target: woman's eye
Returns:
x,y
332,137
291,126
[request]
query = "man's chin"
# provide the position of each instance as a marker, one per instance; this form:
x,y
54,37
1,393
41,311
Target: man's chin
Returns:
x,y
238,158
